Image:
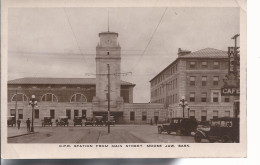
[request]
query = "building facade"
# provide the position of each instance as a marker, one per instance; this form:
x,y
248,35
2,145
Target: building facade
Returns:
x,y
86,97
197,76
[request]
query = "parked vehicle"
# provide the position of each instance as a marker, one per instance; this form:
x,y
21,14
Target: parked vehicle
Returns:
x,y
11,121
47,121
62,120
98,121
182,126
89,121
111,121
223,129
77,121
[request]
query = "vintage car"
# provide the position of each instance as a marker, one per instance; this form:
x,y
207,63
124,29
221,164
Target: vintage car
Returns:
x,y
223,129
98,121
77,121
11,121
89,121
182,126
62,120
111,121
47,120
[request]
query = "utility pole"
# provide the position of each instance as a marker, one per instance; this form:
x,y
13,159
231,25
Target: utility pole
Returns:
x,y
16,111
108,98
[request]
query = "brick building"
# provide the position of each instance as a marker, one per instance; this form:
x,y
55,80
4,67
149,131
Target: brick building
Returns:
x,y
86,97
198,76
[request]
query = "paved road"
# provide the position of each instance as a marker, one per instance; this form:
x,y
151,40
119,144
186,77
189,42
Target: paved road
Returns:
x,y
119,134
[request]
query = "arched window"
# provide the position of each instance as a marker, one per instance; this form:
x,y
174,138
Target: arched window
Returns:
x,y
78,98
19,97
49,97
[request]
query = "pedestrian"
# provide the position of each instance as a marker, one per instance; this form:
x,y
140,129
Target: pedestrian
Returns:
x,y
18,123
151,121
28,123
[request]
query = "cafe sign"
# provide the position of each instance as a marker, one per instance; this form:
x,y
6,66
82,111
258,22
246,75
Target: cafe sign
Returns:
x,y
230,91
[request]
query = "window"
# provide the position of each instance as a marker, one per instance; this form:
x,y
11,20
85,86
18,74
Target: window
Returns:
x,y
52,113
76,113
49,97
215,96
204,64
19,97
215,114
204,97
68,113
227,113
84,113
132,116
13,112
192,113
226,99
203,115
78,98
192,64
204,81
215,65
192,81
192,96
215,80
36,114
144,116
107,53
20,114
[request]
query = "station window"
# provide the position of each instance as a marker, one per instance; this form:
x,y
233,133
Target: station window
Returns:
x,y
215,80
215,96
19,97
215,114
78,98
20,113
52,113
76,113
192,64
192,97
192,81
204,80
204,97
192,113
203,115
84,113
49,97
68,113
204,64
144,116
132,116
36,114
215,65
227,99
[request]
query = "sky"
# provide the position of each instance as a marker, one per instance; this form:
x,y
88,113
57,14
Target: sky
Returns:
x,y
61,42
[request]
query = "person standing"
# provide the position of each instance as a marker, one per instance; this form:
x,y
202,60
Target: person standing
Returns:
x,y
18,123
28,123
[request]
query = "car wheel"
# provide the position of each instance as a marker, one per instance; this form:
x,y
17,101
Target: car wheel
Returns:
x,y
225,139
160,130
178,132
198,137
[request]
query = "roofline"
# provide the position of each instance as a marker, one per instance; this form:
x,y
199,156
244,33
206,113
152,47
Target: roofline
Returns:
x,y
183,57
108,33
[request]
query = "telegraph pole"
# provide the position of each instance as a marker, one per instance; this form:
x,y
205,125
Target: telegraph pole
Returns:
x,y
108,98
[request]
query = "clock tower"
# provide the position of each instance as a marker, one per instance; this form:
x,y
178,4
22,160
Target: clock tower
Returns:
x,y
108,52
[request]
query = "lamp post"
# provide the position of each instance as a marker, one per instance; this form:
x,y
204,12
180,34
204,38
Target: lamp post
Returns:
x,y
183,103
32,102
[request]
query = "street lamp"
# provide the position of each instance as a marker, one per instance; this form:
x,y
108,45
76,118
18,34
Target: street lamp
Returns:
x,y
32,102
183,103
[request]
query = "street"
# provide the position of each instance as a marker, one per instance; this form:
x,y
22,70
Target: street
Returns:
x,y
89,134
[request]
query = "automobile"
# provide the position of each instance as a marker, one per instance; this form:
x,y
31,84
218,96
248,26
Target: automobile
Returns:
x,y
89,121
111,121
62,120
98,121
77,121
182,126
47,120
223,129
11,121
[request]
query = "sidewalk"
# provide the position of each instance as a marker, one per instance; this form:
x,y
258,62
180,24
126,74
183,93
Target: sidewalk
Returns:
x,y
14,132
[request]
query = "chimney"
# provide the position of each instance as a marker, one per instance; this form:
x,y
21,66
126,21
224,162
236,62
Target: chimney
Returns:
x,y
183,52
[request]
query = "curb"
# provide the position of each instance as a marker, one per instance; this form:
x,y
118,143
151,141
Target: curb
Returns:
x,y
22,135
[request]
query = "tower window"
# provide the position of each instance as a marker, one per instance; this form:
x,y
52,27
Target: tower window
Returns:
x,y
107,53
